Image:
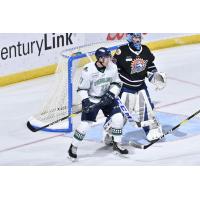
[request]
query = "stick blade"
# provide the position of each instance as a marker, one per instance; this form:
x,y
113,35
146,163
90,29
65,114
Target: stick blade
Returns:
x,y
137,145
30,127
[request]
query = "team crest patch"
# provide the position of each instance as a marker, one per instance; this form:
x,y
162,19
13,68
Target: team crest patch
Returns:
x,y
138,65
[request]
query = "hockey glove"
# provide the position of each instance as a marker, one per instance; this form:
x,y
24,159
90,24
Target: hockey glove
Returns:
x,y
158,79
86,105
107,98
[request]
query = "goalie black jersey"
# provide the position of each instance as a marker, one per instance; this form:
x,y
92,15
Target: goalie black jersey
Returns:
x,y
134,66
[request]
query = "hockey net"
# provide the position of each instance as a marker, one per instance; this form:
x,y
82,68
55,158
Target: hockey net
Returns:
x,y
63,99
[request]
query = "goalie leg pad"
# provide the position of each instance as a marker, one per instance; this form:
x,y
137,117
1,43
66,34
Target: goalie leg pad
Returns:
x,y
147,113
128,98
154,134
144,106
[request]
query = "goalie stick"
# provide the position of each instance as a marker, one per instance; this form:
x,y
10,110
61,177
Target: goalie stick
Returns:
x,y
129,117
143,146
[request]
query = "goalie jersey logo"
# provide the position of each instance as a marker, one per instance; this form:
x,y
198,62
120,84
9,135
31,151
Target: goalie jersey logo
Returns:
x,y
138,65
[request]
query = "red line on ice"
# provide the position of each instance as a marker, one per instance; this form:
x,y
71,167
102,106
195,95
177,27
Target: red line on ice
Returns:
x,y
184,100
29,143
183,81
177,102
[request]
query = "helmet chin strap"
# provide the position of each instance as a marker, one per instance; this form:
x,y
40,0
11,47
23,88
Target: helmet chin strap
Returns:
x,y
101,63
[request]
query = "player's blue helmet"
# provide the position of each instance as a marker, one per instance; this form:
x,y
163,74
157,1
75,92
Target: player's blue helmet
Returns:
x,y
135,45
102,52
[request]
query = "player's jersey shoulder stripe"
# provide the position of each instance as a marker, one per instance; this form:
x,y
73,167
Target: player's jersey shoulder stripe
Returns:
x,y
150,67
134,86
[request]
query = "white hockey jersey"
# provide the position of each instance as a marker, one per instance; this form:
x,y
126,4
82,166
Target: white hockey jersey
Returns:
x,y
94,84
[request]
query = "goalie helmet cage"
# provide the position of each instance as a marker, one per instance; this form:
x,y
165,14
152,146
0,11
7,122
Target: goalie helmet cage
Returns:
x,y
63,99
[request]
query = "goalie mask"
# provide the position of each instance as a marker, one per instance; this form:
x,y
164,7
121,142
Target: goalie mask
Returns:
x,y
134,40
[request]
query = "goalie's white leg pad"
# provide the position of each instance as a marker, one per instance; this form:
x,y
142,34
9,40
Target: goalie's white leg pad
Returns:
x,y
129,100
155,133
154,129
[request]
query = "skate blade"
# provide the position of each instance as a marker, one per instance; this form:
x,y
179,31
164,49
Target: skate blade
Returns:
x,y
136,145
72,159
120,155
108,144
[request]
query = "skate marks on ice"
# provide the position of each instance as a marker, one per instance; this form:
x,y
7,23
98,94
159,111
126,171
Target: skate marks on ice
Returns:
x,y
101,153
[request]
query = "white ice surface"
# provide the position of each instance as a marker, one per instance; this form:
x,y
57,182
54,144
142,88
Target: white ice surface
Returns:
x,y
19,146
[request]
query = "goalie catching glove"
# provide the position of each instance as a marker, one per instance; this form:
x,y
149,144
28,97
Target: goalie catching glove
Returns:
x,y
158,79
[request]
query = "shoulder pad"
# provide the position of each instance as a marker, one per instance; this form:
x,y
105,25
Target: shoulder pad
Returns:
x,y
145,47
120,49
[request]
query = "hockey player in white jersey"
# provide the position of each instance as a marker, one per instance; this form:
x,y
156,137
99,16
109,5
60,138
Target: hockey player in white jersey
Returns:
x,y
98,87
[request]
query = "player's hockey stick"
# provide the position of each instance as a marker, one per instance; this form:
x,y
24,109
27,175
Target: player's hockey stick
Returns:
x,y
129,117
143,146
35,129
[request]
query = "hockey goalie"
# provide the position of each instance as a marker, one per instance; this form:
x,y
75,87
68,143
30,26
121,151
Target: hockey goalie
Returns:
x,y
135,62
98,88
